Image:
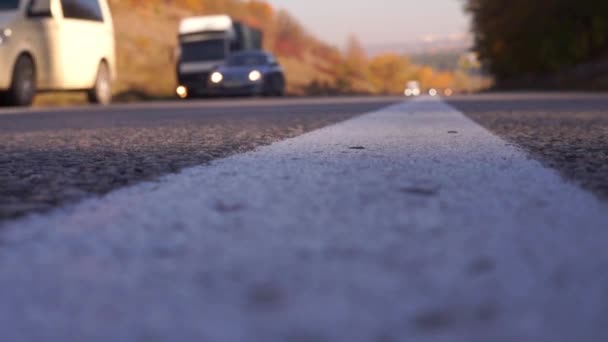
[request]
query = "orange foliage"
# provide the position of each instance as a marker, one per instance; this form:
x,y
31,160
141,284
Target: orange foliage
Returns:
x,y
261,10
389,73
319,67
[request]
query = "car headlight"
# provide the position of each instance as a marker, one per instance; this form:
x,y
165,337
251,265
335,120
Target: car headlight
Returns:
x,y
217,77
5,35
255,76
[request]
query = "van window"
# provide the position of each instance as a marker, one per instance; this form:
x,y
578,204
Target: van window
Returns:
x,y
7,5
39,8
82,9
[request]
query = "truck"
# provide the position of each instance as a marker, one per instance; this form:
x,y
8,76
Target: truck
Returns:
x,y
204,44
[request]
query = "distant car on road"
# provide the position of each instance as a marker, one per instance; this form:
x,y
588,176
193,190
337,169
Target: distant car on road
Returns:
x,y
49,45
412,88
248,73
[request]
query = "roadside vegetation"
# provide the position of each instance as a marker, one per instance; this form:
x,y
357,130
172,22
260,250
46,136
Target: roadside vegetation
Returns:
x,y
549,43
146,41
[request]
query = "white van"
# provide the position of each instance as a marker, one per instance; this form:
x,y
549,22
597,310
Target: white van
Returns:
x,y
51,45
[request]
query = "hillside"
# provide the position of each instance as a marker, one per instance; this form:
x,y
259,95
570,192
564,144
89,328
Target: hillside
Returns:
x,y
444,60
146,38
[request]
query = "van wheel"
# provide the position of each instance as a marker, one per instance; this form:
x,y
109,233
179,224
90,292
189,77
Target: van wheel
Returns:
x,y
102,91
23,84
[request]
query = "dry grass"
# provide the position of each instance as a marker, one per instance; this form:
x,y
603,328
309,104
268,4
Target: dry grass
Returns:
x,y
145,41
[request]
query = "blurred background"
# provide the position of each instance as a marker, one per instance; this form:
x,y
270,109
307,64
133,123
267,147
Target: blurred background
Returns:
x,y
359,47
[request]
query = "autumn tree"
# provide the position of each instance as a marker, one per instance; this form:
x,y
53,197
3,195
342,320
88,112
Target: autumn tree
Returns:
x,y
291,38
356,58
389,72
353,68
193,5
521,37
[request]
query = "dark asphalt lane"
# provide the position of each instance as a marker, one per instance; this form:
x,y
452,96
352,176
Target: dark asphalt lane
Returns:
x,y
568,132
53,156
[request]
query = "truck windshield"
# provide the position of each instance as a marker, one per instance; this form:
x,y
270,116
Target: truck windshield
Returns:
x,y
9,5
204,50
246,60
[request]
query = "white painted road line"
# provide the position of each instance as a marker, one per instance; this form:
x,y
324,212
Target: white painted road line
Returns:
x,y
409,224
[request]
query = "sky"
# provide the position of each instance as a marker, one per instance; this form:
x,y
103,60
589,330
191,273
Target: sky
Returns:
x,y
378,22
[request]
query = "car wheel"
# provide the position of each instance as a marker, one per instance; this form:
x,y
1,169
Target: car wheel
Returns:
x,y
279,89
23,84
274,86
102,90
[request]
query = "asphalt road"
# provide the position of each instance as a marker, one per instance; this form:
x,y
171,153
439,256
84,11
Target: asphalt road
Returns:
x,y
567,132
54,156
411,223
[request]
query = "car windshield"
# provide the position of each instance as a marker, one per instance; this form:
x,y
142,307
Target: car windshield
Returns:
x,y
204,50
9,5
246,59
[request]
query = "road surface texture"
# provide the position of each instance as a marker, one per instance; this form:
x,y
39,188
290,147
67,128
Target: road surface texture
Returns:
x,y
50,157
410,223
568,132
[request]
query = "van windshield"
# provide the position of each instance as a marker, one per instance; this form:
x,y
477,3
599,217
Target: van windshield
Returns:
x,y
204,50
9,5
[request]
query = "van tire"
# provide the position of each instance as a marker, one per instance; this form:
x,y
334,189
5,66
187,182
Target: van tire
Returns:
x,y
101,93
23,84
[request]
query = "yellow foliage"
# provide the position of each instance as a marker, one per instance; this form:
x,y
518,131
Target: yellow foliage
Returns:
x,y
388,73
151,25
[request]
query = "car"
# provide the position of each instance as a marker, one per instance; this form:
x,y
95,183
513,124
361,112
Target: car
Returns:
x,y
248,73
412,88
56,45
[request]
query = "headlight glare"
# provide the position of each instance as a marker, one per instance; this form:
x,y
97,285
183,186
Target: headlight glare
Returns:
x,y
5,34
255,76
217,77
